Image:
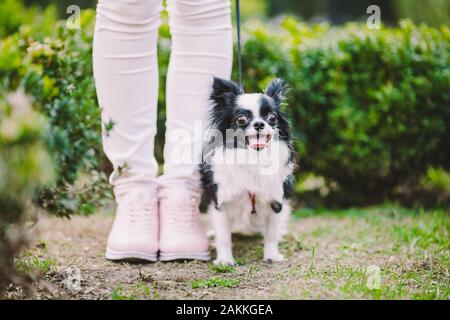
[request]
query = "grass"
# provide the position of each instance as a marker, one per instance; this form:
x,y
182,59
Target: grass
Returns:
x,y
331,254
140,290
240,261
118,294
353,282
411,247
147,291
222,268
35,264
385,252
214,282
36,261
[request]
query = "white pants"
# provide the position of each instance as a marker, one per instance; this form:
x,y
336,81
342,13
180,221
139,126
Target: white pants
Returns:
x,y
126,77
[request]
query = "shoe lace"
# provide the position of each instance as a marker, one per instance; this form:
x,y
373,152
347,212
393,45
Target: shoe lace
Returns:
x,y
138,212
181,214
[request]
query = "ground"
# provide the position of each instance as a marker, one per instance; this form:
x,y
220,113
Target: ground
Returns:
x,y
375,253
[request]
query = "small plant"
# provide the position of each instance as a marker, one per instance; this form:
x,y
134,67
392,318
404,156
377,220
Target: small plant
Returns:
x,y
147,291
117,294
215,282
222,268
35,264
240,261
43,265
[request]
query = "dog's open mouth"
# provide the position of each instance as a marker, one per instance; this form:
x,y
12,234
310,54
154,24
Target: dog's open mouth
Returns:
x,y
258,142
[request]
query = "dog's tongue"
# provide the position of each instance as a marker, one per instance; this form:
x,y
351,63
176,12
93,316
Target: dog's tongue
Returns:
x,y
257,142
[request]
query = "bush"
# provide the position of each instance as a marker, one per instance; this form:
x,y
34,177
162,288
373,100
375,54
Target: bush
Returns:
x,y
370,108
14,15
24,166
56,71
434,13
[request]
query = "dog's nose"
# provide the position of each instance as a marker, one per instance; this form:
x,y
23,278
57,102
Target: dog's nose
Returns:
x,y
259,125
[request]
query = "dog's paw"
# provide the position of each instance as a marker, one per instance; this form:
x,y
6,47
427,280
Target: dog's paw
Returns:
x,y
274,257
225,261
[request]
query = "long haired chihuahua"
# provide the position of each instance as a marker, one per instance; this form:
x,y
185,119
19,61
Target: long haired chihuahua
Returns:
x,y
246,172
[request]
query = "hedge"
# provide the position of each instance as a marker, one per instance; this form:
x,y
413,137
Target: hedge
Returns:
x,y
370,109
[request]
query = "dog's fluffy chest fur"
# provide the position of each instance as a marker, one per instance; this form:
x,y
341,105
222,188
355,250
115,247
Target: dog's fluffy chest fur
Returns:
x,y
261,177
260,173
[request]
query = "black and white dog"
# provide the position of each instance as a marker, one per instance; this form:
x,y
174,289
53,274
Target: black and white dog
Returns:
x,y
247,167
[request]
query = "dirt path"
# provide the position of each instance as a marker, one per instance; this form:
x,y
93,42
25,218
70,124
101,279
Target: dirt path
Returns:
x,y
327,257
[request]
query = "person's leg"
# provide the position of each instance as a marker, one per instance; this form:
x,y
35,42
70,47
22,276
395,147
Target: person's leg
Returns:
x,y
201,49
126,77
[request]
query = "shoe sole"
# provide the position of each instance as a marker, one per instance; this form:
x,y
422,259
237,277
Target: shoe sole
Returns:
x,y
204,256
121,255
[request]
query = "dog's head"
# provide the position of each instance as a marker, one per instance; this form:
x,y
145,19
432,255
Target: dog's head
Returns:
x,y
253,118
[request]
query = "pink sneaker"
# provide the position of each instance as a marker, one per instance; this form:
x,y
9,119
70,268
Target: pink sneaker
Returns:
x,y
181,234
134,234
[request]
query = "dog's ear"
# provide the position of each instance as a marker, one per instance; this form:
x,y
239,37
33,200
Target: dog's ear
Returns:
x,y
224,92
276,90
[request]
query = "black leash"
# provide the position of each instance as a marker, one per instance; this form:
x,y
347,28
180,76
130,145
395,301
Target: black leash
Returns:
x,y
238,27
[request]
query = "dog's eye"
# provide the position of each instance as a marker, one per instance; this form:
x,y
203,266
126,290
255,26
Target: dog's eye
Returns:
x,y
242,120
272,117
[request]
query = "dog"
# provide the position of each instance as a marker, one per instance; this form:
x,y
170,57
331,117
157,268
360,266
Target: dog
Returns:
x,y
247,167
